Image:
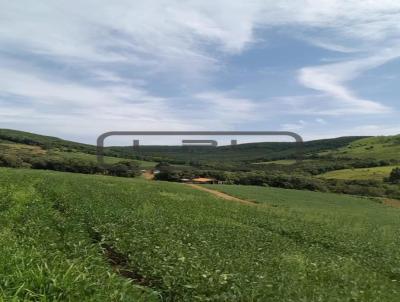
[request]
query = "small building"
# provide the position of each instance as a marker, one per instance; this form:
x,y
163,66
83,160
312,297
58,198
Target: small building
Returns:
x,y
203,180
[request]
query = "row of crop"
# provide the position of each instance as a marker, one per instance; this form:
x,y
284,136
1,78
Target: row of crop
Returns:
x,y
195,247
47,255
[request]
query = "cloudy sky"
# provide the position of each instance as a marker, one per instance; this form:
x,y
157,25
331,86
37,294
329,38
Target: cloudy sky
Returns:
x,y
322,68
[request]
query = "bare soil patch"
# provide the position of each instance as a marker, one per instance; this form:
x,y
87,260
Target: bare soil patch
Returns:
x,y
148,175
392,202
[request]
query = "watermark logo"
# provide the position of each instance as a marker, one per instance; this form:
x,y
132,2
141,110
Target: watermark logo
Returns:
x,y
201,142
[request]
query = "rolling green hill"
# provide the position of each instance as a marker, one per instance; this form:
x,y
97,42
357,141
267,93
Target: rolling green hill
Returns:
x,y
242,152
380,147
25,148
45,142
70,237
351,147
248,153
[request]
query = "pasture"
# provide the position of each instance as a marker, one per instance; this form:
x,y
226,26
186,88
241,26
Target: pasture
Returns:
x,y
375,173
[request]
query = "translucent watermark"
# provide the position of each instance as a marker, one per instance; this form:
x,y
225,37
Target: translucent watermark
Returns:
x,y
201,142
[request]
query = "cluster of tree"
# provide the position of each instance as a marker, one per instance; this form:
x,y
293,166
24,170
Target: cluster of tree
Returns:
x,y
394,177
315,167
168,172
374,188
11,160
123,168
75,165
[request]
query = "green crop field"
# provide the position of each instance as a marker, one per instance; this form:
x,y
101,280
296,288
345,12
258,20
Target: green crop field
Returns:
x,y
377,173
299,201
73,237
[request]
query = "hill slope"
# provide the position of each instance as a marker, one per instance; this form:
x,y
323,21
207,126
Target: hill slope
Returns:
x,y
24,149
375,173
242,152
46,142
380,147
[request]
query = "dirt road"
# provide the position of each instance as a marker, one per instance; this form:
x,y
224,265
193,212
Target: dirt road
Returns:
x,y
392,202
221,195
148,175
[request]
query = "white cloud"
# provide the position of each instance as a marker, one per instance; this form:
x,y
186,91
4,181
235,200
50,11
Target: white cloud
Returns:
x,y
225,107
157,34
70,108
330,80
300,125
332,46
136,31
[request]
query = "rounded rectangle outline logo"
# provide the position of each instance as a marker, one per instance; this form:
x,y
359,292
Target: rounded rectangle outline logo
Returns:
x,y
100,140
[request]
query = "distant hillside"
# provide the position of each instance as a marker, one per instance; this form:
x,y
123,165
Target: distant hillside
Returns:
x,y
243,152
385,147
379,147
46,142
27,150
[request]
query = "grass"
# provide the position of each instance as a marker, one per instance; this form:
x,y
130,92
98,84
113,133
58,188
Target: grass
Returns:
x,y
21,149
375,173
58,232
384,147
146,164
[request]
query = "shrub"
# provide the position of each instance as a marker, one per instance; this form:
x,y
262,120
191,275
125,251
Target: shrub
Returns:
x,y
123,169
395,176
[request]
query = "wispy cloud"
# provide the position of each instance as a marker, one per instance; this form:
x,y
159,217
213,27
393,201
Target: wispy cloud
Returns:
x,y
330,79
71,108
228,108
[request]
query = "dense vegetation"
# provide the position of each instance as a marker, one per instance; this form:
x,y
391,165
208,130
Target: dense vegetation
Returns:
x,y
395,176
97,238
232,154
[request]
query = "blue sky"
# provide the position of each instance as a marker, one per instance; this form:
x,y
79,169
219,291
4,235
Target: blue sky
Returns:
x,y
320,68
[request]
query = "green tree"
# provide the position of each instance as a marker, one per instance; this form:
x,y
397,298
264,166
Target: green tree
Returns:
x,y
124,169
395,176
